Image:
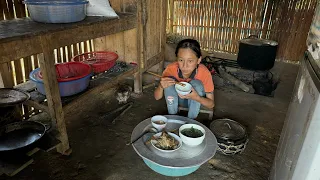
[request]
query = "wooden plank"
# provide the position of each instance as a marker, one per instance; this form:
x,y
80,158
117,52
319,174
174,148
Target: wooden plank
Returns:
x,y
19,46
27,70
36,62
53,94
20,8
130,46
115,43
1,18
19,49
10,9
69,53
63,38
18,71
13,165
58,55
6,75
100,44
154,60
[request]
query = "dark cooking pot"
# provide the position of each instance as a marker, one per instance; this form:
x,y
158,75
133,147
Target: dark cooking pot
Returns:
x,y
257,54
21,134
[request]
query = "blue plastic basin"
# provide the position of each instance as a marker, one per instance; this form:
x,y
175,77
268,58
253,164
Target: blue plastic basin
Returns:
x,y
170,171
66,88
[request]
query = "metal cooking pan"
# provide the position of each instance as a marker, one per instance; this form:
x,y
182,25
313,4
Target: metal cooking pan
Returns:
x,y
20,134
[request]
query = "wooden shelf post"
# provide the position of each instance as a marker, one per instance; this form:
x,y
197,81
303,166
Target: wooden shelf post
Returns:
x,y
52,93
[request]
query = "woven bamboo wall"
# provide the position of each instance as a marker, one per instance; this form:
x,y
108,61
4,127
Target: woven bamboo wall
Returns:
x,y
220,24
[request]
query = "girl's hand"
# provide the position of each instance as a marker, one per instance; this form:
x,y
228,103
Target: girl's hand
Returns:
x,y
166,82
192,95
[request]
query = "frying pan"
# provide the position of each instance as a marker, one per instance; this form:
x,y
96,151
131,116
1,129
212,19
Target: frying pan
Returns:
x,y
20,134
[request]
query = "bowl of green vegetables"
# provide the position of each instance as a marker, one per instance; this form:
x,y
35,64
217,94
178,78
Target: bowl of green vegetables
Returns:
x,y
192,134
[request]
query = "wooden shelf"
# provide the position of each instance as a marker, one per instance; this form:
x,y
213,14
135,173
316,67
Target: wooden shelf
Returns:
x,y
100,82
23,37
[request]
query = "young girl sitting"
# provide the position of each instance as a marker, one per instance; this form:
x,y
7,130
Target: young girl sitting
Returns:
x,y
187,69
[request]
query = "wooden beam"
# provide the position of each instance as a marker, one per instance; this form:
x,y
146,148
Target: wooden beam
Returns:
x,y
19,49
52,93
154,60
6,75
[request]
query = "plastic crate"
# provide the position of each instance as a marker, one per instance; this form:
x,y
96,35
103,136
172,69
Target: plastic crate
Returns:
x,y
57,11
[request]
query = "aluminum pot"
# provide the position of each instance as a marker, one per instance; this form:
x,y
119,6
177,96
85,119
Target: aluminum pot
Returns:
x,y
257,54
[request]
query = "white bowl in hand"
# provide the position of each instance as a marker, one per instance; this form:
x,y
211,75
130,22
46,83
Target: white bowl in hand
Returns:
x,y
192,134
159,122
183,90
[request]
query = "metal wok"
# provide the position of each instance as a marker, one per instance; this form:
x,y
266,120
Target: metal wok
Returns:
x,y
20,134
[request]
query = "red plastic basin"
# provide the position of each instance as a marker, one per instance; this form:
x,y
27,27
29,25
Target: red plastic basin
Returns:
x,y
70,71
100,61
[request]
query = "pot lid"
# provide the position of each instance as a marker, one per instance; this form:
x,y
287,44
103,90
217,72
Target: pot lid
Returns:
x,y
228,129
258,42
10,97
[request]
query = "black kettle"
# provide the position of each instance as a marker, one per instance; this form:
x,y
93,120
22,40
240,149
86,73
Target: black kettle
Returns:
x,y
264,85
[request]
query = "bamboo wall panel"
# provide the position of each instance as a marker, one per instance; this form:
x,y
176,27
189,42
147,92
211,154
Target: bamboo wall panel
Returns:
x,y
220,24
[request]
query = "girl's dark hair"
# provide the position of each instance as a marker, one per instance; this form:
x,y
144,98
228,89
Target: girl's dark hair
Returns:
x,y
191,44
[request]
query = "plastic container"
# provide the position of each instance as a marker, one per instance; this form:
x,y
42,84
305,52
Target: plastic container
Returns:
x,y
67,88
100,61
57,11
71,71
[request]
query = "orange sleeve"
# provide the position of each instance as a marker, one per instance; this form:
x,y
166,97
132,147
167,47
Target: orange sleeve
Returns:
x,y
207,81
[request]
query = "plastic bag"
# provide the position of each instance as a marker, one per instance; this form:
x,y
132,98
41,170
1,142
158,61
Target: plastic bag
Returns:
x,y
100,8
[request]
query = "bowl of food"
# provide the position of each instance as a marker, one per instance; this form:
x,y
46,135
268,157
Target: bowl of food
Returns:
x,y
183,90
159,122
166,141
192,134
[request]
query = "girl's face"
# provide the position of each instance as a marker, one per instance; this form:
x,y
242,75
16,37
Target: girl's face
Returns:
x,y
188,61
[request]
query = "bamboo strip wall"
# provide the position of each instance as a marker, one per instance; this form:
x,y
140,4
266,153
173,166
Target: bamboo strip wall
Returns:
x,y
220,24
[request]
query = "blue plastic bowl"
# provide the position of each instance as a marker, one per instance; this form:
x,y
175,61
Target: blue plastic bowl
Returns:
x,y
170,171
57,11
66,88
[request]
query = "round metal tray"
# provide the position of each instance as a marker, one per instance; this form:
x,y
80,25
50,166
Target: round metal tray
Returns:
x,y
186,156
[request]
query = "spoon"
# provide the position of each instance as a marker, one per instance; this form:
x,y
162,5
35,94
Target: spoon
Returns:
x,y
151,130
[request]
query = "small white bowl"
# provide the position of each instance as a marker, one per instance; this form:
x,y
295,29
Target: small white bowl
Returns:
x,y
189,140
155,122
170,134
183,90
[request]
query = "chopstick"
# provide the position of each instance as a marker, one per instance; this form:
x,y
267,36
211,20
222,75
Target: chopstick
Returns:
x,y
159,76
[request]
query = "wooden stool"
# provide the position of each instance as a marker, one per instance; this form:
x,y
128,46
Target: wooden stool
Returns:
x,y
202,110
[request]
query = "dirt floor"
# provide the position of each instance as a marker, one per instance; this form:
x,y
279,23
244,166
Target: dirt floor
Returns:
x,y
100,150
